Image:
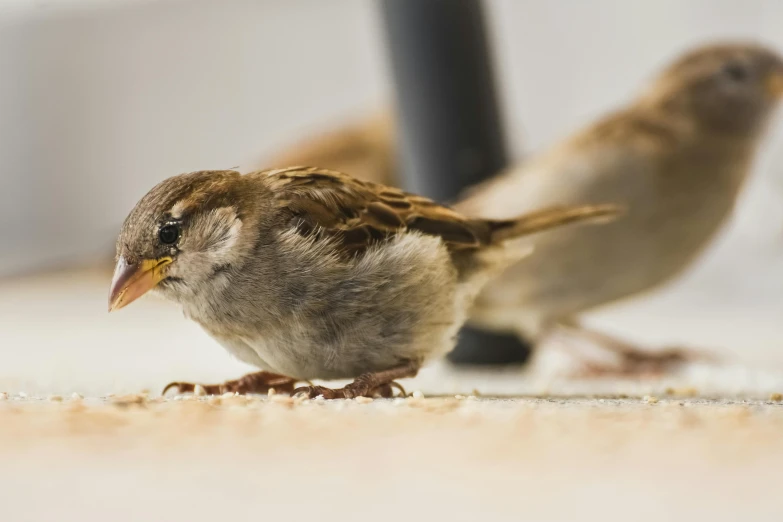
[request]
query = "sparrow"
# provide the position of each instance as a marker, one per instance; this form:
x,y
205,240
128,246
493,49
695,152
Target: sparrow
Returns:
x,y
366,148
307,273
676,158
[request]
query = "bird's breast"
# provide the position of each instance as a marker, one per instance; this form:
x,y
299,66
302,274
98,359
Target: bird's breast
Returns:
x,y
396,303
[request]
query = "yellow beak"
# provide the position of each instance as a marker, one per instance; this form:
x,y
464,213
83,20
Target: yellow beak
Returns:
x,y
132,281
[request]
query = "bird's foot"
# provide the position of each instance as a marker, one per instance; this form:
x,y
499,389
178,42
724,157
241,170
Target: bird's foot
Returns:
x,y
644,363
352,390
630,361
258,382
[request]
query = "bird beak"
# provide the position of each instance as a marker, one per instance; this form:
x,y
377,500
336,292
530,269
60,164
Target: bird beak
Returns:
x,y
132,281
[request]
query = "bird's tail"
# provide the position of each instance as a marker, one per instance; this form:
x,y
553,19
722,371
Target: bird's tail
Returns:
x,y
505,229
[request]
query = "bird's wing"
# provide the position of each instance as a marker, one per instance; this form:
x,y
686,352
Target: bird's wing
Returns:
x,y
359,214
617,160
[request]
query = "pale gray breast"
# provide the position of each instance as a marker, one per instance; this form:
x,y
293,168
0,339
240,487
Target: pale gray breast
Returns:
x,y
394,303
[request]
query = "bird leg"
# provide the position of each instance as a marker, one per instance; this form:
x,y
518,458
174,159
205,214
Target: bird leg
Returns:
x,y
257,382
372,384
633,360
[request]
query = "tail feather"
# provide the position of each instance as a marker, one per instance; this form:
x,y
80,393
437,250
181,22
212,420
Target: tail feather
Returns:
x,y
552,217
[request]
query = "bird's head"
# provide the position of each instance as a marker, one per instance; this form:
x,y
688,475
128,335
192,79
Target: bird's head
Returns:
x,y
726,88
187,230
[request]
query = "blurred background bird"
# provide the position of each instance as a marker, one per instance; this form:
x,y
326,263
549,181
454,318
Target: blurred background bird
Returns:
x,y
677,156
363,147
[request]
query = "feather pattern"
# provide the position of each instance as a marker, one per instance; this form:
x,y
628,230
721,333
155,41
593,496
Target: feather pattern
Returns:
x,y
360,213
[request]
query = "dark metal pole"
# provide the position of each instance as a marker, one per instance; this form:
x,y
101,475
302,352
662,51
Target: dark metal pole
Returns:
x,y
450,133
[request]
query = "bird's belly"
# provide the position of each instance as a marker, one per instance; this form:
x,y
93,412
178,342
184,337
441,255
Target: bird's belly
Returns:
x,y
304,357
347,342
398,304
240,348
321,352
276,352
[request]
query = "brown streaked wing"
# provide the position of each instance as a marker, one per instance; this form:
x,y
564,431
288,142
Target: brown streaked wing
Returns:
x,y
361,213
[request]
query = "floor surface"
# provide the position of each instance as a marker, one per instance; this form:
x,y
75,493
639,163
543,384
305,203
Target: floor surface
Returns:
x,y
703,444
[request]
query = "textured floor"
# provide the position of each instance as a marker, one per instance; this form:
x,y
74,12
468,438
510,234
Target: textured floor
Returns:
x,y
703,444
123,458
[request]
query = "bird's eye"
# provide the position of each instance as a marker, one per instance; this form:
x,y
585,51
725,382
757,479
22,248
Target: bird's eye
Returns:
x,y
168,234
736,72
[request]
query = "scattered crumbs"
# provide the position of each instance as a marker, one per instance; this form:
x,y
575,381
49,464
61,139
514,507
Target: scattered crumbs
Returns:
x,y
319,398
76,397
364,400
271,392
459,397
22,395
440,406
199,391
472,398
417,394
227,395
236,400
650,399
682,392
76,407
128,400
282,399
55,398
777,397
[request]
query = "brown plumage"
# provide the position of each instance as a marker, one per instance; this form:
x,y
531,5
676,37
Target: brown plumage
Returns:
x,y
311,274
358,213
676,157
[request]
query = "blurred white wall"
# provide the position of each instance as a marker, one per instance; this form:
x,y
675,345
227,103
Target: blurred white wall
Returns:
x,y
102,99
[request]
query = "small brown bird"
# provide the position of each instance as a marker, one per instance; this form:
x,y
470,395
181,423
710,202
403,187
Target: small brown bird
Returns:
x,y
366,148
676,157
307,273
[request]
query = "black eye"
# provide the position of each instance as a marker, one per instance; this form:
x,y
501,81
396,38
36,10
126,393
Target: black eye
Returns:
x,y
736,71
168,234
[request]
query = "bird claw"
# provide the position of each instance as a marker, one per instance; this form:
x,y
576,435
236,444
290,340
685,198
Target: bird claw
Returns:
x,y
311,392
386,391
259,382
182,387
645,364
190,387
629,360
350,391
